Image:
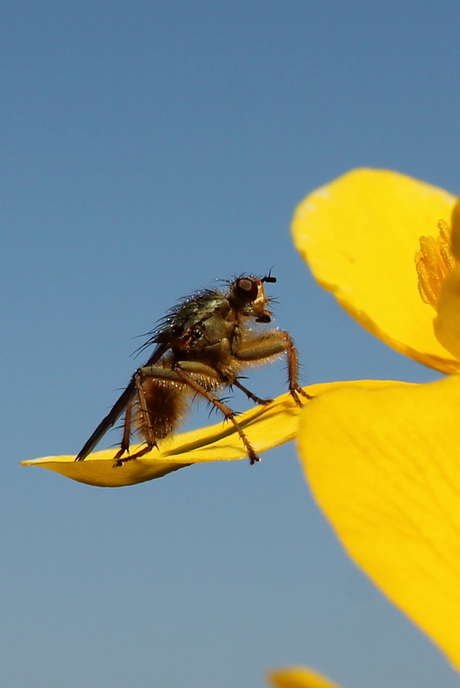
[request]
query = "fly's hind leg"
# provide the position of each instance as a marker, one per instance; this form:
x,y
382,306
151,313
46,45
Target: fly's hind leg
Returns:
x,y
124,459
150,442
124,444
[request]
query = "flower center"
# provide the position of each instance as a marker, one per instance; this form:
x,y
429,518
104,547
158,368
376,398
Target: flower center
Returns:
x,y
433,261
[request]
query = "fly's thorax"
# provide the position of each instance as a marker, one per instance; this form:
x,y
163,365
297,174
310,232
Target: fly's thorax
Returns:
x,y
208,339
220,325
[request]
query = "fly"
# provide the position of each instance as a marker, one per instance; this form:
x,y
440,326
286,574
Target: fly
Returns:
x,y
202,346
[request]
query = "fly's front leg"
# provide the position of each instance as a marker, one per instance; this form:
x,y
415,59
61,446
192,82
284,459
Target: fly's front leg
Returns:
x,y
293,370
272,344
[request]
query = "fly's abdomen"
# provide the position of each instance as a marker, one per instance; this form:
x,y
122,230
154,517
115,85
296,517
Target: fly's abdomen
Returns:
x,y
162,408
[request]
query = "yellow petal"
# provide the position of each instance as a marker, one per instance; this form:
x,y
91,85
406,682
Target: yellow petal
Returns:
x,y
299,677
384,465
265,426
359,235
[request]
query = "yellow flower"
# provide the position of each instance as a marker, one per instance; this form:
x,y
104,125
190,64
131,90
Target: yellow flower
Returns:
x,y
384,464
265,426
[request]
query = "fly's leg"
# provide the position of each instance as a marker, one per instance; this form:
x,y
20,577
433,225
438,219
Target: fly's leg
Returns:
x,y
121,461
225,410
271,344
124,444
150,442
250,395
293,370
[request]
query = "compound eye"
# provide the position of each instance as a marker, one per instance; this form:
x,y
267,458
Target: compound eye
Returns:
x,y
248,288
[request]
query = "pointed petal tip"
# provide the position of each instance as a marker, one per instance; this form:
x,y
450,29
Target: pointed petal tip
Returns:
x,y
299,677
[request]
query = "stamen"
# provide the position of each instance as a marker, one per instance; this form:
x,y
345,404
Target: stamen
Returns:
x,y
433,261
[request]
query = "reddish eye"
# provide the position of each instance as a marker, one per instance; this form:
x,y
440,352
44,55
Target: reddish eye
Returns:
x,y
248,288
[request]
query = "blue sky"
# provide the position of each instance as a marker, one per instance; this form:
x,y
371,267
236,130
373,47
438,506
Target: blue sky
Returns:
x,y
147,149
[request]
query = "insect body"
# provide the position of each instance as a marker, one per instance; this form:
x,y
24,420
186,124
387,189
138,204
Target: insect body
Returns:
x,y
202,345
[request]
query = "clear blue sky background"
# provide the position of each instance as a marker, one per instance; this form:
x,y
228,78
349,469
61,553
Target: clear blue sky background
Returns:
x,y
148,148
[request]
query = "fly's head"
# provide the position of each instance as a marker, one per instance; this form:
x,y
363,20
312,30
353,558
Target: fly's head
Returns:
x,y
247,296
